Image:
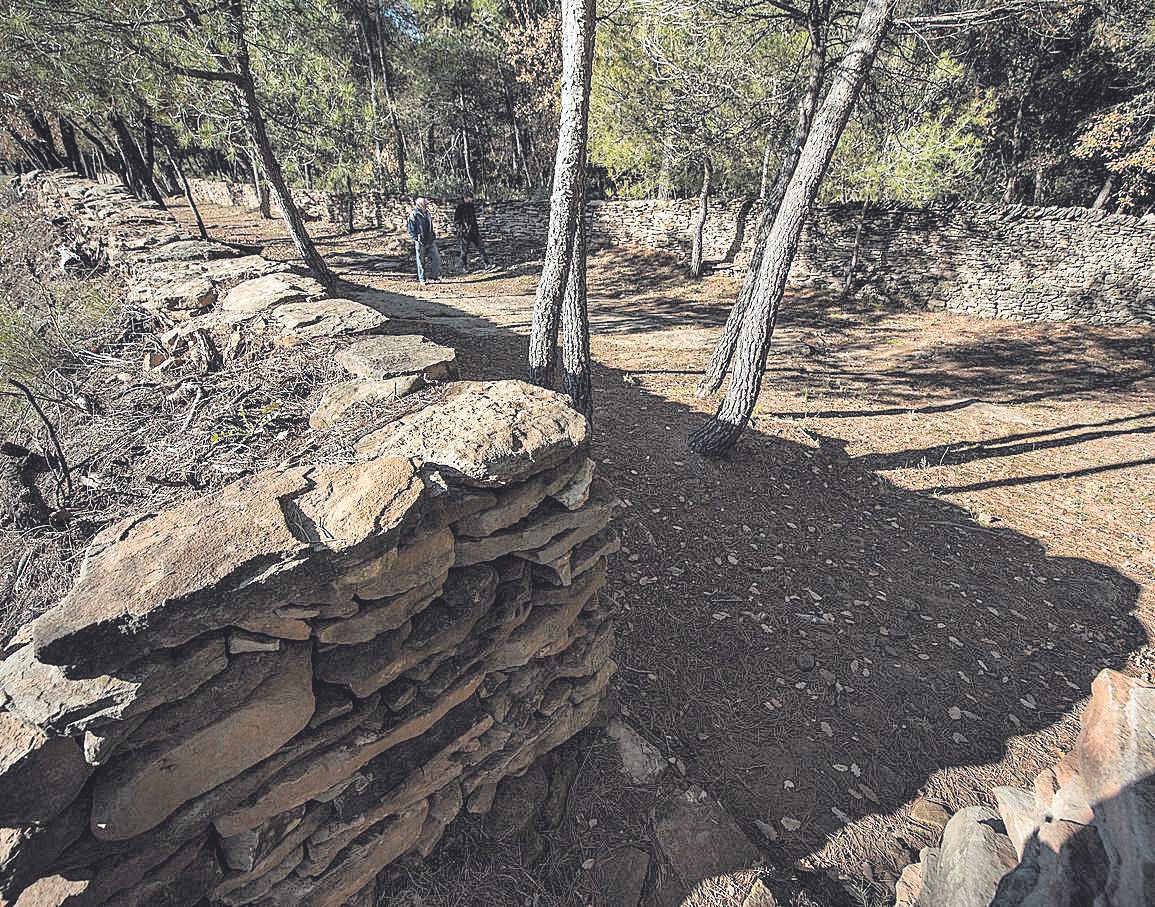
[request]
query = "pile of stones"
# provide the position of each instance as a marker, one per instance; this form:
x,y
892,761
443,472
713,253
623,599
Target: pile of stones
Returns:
x,y
1083,834
270,693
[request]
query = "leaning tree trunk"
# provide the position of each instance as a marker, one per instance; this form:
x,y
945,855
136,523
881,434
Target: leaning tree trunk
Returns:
x,y
269,163
700,219
577,19
71,146
44,143
715,373
260,190
178,166
720,433
141,182
1104,193
765,172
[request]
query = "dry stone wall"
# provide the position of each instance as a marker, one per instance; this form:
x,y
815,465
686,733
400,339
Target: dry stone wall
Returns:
x,y
270,693
997,261
1083,834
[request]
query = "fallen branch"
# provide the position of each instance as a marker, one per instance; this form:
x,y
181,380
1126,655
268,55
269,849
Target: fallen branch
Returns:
x,y
51,431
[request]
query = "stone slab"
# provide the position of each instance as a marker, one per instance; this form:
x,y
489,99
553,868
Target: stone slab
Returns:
x,y
487,434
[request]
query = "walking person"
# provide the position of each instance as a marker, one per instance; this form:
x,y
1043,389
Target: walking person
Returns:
x,y
420,227
465,221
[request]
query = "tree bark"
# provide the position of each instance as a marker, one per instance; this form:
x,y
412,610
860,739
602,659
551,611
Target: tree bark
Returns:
x,y
260,189
719,434
715,373
71,146
349,204
1104,193
577,20
852,266
696,253
141,181
765,172
269,163
466,157
575,325
178,166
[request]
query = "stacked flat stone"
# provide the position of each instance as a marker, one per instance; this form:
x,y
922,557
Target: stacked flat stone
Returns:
x,y
1017,262
1083,834
270,693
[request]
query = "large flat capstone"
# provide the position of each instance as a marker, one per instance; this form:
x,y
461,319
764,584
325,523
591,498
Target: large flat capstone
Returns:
x,y
259,294
326,318
404,354
161,580
487,433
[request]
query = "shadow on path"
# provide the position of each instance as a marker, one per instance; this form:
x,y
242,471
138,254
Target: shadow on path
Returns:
x,y
812,640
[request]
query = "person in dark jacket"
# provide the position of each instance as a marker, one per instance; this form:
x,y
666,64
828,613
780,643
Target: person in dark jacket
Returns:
x,y
465,221
420,227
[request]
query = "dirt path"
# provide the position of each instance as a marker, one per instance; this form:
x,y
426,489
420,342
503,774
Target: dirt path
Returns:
x,y
902,582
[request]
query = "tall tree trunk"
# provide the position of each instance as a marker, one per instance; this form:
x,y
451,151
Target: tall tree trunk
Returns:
x,y
178,166
41,128
700,219
260,188
256,123
367,31
519,165
666,177
720,433
466,157
575,324
71,146
577,20
141,182
577,363
715,373
765,172
395,124
1018,138
852,266
349,204
1104,193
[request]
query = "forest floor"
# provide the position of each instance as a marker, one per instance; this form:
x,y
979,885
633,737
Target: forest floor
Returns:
x,y
901,583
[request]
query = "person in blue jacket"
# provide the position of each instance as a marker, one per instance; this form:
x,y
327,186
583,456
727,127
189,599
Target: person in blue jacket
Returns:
x,y
420,227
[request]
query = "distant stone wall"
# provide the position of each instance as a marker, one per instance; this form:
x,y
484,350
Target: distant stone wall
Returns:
x,y
272,692
997,261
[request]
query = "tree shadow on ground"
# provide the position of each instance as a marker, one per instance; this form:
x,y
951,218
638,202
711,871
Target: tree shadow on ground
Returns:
x,y
812,640
803,634
955,453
